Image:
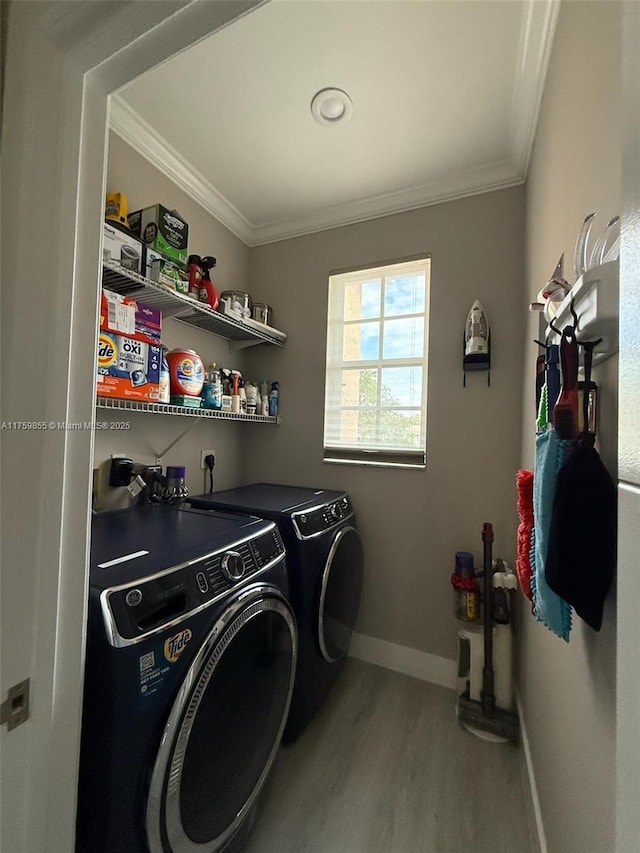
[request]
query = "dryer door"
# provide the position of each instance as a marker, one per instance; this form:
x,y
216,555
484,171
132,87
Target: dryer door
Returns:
x,y
225,727
340,594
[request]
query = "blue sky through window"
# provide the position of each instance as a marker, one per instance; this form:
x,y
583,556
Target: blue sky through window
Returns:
x,y
404,295
403,338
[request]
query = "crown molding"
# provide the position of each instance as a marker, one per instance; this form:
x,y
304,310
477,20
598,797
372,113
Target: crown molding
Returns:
x,y
468,182
136,132
534,49
144,139
536,37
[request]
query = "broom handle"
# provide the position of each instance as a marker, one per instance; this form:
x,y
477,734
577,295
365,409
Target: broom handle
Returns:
x,y
487,696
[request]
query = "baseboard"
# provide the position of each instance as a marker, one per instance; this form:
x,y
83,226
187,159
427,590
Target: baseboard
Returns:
x,y
402,659
534,812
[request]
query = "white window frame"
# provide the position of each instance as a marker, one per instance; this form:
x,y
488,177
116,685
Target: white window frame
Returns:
x,y
373,453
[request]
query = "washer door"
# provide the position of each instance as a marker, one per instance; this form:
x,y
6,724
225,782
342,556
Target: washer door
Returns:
x,y
225,727
340,594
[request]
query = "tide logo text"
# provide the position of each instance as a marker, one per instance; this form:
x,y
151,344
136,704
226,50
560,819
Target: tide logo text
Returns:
x,y
174,646
107,351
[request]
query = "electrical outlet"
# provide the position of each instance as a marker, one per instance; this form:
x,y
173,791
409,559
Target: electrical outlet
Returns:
x,y
204,453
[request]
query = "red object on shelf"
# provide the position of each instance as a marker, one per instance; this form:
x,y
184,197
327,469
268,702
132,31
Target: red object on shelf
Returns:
x,y
464,584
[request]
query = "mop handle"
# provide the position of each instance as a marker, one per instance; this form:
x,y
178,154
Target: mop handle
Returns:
x,y
487,696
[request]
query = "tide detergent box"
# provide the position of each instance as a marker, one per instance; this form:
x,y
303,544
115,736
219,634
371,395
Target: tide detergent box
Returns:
x,y
163,231
129,352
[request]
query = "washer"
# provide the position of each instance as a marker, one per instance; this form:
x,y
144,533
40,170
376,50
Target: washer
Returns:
x,y
190,665
325,560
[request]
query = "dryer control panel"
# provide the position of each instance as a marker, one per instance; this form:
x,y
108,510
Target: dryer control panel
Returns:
x,y
133,611
316,520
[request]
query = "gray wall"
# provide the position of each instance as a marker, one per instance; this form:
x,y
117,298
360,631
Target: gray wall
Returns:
x,y
568,691
412,521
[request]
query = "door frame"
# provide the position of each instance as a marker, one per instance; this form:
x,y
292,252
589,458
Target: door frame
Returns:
x,y
61,62
628,582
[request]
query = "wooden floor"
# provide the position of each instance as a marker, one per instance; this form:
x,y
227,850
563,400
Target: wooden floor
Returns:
x,y
385,767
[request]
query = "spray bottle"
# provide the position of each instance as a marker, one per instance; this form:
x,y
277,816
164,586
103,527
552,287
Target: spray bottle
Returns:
x,y
208,292
195,275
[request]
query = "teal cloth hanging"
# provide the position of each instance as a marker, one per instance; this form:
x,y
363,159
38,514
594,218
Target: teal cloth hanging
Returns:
x,y
550,455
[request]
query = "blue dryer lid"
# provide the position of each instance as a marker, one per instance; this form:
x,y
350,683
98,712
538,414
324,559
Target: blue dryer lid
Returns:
x,y
266,499
142,540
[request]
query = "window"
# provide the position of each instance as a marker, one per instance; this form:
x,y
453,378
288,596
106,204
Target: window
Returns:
x,y
376,370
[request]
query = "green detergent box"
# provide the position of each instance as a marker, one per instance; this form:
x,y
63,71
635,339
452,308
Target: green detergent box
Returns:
x,y
161,230
156,267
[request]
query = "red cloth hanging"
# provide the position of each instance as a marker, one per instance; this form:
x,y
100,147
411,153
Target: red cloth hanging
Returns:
x,y
524,483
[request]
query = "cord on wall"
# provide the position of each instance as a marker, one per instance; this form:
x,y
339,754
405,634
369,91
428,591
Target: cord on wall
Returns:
x,y
210,462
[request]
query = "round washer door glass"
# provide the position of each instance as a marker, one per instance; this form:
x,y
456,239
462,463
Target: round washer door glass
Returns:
x,y
340,594
224,729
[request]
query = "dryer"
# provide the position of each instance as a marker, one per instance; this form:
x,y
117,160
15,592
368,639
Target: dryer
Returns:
x,y
325,563
190,664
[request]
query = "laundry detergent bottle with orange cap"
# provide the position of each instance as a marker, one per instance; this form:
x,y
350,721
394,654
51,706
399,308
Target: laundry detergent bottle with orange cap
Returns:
x,y
186,371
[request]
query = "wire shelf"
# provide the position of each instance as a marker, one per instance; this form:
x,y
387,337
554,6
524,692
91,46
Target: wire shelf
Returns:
x,y
186,310
184,411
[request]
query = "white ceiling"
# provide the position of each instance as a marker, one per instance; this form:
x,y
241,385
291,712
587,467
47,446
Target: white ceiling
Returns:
x,y
445,100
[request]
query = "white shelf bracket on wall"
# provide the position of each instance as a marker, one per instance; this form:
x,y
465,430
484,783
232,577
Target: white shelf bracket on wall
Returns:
x,y
594,297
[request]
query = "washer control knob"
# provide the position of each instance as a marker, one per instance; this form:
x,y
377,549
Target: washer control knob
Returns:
x,y
232,566
335,511
133,597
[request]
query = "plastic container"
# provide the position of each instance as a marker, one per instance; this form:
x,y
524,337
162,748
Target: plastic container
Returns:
x,y
186,372
235,392
239,302
251,393
274,400
165,379
212,388
262,313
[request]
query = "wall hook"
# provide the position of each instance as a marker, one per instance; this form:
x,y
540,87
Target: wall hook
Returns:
x,y
553,326
576,324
